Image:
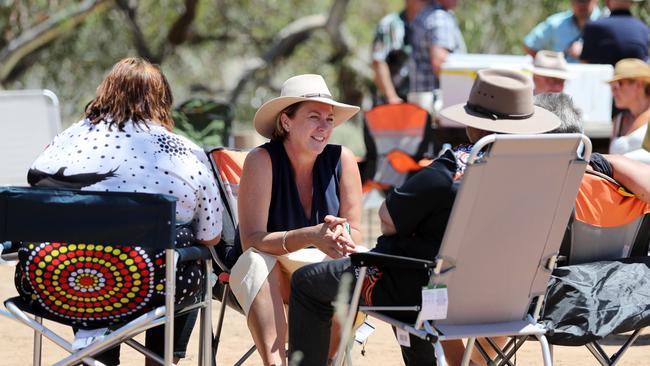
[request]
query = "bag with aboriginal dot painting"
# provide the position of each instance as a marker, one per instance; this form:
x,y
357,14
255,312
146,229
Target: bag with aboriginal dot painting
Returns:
x,y
94,286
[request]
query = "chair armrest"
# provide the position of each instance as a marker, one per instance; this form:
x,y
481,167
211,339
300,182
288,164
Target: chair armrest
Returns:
x,y
387,260
10,246
193,253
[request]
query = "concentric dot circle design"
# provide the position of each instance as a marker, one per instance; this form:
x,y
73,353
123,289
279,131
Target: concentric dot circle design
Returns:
x,y
89,281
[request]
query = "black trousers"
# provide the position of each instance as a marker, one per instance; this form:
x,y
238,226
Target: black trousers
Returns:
x,y
313,291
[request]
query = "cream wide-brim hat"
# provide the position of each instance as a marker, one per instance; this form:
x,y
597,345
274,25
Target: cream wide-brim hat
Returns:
x,y
502,101
631,68
300,88
551,64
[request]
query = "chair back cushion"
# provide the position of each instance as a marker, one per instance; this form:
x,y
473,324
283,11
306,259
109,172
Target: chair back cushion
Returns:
x,y
404,127
93,285
609,222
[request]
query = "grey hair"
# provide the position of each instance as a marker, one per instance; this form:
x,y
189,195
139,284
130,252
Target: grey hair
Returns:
x,y
562,106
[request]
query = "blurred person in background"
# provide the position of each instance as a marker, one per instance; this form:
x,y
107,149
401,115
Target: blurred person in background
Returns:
x,y
549,72
436,34
562,32
631,90
391,53
611,39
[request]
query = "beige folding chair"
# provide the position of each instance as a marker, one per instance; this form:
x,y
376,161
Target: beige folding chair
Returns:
x,y
501,242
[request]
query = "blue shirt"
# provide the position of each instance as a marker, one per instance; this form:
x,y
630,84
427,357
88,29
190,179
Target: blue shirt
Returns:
x,y
557,33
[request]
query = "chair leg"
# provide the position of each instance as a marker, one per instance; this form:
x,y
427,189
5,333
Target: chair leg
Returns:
x,y
440,354
598,353
170,290
467,355
205,348
246,356
546,352
222,312
616,356
500,354
38,344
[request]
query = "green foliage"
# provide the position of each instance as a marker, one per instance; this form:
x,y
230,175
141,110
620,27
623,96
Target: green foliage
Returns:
x,y
499,26
206,122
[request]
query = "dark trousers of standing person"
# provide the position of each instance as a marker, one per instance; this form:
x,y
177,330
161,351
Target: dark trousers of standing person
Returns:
x,y
313,291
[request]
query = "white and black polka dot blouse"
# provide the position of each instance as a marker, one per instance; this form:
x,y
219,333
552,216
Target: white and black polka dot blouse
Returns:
x,y
136,159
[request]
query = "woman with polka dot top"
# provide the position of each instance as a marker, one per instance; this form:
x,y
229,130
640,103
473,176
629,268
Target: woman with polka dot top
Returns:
x,y
125,143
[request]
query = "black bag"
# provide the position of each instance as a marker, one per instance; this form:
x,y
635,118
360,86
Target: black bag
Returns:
x,y
587,302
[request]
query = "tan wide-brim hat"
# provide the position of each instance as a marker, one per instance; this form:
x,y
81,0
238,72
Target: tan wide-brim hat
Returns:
x,y
551,64
502,101
300,88
631,68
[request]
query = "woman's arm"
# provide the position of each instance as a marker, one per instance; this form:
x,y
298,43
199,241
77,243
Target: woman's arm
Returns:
x,y
253,203
210,242
350,194
632,174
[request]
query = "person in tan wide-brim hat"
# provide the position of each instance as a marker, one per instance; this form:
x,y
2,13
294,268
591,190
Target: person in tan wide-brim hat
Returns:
x,y
296,191
301,88
549,72
631,91
631,68
502,101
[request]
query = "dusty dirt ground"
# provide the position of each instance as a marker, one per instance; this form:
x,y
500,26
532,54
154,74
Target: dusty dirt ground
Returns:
x,y
381,348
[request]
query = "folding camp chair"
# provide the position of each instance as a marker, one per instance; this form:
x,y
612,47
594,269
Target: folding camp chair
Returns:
x,y
396,137
608,224
501,241
227,167
30,120
93,259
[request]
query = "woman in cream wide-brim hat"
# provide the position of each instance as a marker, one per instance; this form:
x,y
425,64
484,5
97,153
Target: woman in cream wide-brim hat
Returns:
x,y
631,91
296,191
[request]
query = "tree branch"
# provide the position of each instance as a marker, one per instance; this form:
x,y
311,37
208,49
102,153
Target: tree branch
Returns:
x,y
294,34
45,32
284,45
138,36
180,30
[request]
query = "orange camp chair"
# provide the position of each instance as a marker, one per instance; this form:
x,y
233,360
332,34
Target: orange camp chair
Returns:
x,y
396,137
227,167
610,223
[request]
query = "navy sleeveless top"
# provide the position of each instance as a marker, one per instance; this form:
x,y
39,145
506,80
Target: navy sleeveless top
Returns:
x,y
286,211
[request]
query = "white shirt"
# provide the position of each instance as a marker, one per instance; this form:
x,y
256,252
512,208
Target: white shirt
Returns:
x,y
137,159
629,142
